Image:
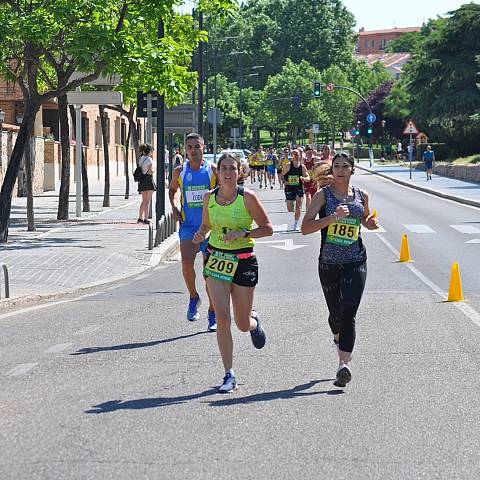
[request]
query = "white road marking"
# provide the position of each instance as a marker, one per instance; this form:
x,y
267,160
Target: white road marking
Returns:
x,y
475,240
470,229
59,348
419,228
378,230
88,329
21,369
467,310
287,244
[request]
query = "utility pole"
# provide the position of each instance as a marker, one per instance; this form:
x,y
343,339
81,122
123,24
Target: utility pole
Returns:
x,y
200,78
160,195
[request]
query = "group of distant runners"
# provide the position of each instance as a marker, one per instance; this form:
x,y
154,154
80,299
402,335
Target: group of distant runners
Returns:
x,y
221,218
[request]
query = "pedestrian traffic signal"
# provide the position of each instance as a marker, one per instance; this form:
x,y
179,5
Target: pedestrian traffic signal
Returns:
x,y
370,130
357,132
317,89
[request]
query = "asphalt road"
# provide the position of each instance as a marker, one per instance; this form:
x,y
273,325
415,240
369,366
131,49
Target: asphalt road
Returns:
x,y
118,385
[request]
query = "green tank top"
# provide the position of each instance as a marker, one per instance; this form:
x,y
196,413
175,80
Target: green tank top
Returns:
x,y
225,218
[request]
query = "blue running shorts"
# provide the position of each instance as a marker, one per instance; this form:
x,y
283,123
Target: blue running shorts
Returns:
x,y
187,232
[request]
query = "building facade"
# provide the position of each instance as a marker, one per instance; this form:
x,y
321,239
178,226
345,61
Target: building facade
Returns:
x,y
375,41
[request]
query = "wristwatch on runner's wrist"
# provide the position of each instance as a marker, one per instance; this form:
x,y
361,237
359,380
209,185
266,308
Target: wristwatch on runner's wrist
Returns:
x,y
246,232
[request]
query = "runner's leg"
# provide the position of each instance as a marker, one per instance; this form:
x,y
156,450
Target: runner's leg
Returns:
x,y
220,292
188,252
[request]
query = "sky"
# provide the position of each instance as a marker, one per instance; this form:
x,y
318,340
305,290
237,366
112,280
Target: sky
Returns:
x,y
380,14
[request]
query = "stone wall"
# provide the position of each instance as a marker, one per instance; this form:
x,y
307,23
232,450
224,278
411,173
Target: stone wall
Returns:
x,y
467,173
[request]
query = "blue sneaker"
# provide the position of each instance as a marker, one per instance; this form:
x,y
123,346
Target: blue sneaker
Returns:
x,y
192,312
258,335
212,321
229,384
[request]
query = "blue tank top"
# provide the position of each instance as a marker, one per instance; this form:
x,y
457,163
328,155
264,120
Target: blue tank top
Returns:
x,y
193,186
342,242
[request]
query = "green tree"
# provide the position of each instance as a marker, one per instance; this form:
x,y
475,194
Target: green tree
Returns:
x,y
441,79
408,42
279,107
272,31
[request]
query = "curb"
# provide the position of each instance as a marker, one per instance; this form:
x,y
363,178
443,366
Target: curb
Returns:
x,y
159,254
465,201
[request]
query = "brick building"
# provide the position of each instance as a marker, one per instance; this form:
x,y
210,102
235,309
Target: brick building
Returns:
x,y
375,41
47,154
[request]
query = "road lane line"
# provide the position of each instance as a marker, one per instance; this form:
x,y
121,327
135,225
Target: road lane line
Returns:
x,y
419,228
467,310
88,329
60,347
470,229
21,369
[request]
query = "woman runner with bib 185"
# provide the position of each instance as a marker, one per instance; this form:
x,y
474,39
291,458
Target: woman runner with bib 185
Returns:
x,y
342,263
231,268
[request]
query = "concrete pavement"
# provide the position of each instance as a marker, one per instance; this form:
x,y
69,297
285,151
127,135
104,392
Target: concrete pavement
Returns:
x,y
104,245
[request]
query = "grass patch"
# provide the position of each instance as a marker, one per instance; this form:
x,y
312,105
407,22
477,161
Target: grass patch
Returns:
x,y
471,160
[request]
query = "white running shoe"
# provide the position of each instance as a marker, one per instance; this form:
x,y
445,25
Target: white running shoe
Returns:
x,y
229,384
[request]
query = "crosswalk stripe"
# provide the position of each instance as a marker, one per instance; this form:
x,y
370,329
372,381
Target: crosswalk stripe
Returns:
x,y
466,229
419,228
21,369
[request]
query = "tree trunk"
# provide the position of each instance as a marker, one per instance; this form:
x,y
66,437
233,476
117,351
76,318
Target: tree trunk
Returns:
x,y
31,108
85,187
29,156
62,213
106,155
127,149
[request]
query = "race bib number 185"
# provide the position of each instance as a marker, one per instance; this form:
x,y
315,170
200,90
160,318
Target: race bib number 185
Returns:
x,y
343,232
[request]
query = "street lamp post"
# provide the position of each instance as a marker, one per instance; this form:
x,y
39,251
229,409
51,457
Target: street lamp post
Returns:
x,y
383,123
240,107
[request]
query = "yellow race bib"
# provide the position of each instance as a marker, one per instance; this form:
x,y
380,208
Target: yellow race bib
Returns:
x,y
294,180
221,265
343,232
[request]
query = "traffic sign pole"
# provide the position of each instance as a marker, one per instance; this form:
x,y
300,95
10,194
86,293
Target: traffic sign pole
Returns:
x,y
410,154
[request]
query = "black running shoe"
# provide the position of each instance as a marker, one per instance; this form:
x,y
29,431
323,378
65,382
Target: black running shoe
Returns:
x,y
344,375
258,335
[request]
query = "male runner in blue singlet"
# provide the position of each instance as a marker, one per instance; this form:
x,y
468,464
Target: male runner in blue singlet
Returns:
x,y
193,179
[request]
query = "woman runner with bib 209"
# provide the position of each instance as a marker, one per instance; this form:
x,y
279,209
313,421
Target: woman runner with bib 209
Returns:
x,y
231,268
342,265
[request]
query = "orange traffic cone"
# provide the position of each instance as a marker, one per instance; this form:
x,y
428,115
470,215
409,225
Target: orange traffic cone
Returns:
x,y
455,293
405,250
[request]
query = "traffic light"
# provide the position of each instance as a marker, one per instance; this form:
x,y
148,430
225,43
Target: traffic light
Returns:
x,y
357,132
317,89
370,130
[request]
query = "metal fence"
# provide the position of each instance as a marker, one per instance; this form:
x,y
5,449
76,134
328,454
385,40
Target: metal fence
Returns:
x,y
166,227
6,280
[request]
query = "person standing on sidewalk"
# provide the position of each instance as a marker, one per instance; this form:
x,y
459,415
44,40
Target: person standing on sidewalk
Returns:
x,y
232,269
146,185
429,158
342,265
294,175
193,179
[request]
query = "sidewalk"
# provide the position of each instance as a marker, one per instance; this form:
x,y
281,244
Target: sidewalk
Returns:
x,y
102,246
456,190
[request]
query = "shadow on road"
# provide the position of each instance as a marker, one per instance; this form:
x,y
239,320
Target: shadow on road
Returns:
x,y
131,346
297,391
143,403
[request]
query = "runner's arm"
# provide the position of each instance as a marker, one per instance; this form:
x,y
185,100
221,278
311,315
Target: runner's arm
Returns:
x,y
172,192
310,223
368,221
205,227
306,176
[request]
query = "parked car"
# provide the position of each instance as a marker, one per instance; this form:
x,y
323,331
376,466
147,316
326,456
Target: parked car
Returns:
x,y
238,153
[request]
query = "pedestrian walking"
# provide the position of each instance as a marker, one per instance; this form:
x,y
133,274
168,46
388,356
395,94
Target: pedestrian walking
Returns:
x,y
428,158
193,179
342,265
146,184
232,269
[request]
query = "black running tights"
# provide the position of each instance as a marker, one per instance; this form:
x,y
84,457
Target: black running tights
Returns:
x,y
343,286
